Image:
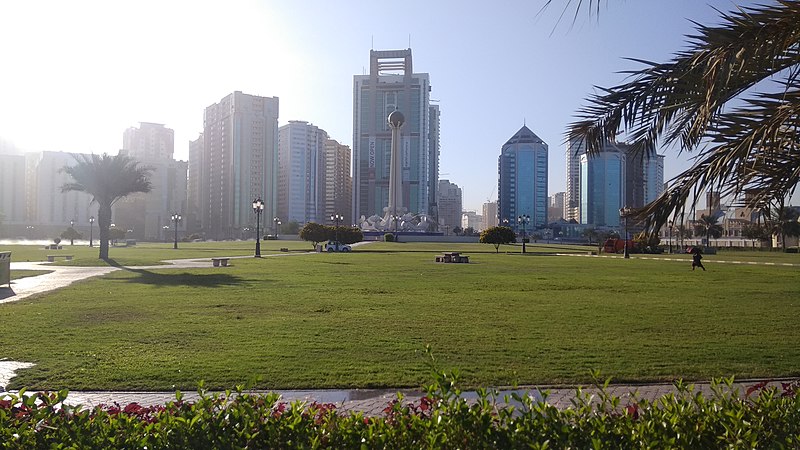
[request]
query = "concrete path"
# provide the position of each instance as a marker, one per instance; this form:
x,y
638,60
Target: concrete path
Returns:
x,y
373,402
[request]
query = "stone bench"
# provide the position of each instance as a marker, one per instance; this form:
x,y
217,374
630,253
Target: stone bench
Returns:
x,y
452,258
52,258
220,262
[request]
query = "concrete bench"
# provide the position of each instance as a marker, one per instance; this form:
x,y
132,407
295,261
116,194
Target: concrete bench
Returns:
x,y
51,258
220,262
452,258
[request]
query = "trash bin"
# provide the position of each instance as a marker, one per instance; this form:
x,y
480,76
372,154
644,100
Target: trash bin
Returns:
x,y
5,268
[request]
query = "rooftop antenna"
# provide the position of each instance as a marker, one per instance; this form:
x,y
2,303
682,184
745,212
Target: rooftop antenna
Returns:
x,y
409,40
372,42
523,122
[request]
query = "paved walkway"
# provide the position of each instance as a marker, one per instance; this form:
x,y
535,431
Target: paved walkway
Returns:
x,y
373,402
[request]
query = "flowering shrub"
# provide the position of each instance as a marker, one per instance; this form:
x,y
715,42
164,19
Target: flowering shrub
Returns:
x,y
442,419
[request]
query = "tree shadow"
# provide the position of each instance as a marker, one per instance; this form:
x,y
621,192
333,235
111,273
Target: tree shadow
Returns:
x,y
210,280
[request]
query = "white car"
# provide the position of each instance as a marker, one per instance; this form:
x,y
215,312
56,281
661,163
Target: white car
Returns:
x,y
336,246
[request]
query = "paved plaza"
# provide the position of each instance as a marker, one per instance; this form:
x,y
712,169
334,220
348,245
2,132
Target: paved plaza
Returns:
x,y
370,402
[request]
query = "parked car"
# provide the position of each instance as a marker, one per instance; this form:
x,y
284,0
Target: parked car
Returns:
x,y
336,246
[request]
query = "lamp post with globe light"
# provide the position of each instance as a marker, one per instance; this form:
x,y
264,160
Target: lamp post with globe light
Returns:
x,y
258,209
91,229
623,212
670,236
336,218
175,219
276,221
523,220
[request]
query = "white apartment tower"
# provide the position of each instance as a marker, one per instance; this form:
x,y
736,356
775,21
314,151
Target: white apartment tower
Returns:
x,y
301,171
240,163
338,183
572,200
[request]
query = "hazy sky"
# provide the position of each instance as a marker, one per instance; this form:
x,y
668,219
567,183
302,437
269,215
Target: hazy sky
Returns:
x,y
74,75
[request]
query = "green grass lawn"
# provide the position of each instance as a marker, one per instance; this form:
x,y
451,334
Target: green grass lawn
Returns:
x,y
362,319
148,253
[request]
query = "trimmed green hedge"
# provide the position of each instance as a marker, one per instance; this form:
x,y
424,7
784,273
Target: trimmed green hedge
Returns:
x,y
443,419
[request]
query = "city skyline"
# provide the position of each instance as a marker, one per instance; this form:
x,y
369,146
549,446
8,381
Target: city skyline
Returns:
x,y
68,61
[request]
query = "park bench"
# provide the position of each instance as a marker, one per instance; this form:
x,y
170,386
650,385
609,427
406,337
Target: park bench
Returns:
x,y
452,257
220,262
284,249
52,258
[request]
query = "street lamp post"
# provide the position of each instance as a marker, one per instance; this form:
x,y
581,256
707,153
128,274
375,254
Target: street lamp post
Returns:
x,y
395,218
276,223
29,228
670,236
258,208
623,212
336,218
523,220
72,233
91,229
166,231
175,219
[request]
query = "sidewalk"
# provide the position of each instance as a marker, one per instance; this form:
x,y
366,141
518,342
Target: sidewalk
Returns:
x,y
372,402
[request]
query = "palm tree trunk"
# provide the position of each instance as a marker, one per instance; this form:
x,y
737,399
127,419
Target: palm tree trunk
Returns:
x,y
104,223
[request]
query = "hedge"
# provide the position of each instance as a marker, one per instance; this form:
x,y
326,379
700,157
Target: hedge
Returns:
x,y
443,419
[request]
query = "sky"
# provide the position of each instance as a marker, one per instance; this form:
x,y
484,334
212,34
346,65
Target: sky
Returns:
x,y
74,75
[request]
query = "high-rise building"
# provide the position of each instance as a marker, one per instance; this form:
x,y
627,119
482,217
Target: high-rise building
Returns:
x,y
12,194
193,185
489,215
555,210
240,163
392,85
450,201
301,171
146,214
644,175
433,176
572,201
55,209
338,183
151,141
602,193
522,179
471,219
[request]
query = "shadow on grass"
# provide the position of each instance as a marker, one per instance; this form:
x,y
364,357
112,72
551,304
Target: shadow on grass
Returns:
x,y
212,280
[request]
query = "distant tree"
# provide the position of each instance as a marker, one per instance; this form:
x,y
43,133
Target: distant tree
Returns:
x,y
457,230
314,232
291,227
57,241
115,234
755,231
347,235
708,226
590,234
107,179
783,223
71,234
498,236
536,236
469,231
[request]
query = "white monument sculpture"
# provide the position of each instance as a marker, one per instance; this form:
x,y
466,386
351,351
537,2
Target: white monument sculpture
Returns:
x,y
395,215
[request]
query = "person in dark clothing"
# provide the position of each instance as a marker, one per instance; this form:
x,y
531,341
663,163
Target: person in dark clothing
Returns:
x,y
696,257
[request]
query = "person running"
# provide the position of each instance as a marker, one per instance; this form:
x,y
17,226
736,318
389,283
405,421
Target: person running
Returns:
x,y
696,257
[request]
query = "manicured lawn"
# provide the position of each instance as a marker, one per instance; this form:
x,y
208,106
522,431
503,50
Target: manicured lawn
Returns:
x,y
149,253
362,319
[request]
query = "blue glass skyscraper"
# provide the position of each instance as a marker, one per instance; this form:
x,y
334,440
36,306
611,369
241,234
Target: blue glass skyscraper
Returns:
x,y
522,180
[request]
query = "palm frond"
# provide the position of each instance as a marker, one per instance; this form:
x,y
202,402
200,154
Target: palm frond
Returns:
x,y
677,101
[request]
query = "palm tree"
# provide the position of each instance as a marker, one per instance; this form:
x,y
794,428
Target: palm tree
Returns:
x,y
733,96
783,223
709,226
107,179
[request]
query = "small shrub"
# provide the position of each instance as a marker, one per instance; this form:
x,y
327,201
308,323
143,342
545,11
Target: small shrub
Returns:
x,y
388,237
